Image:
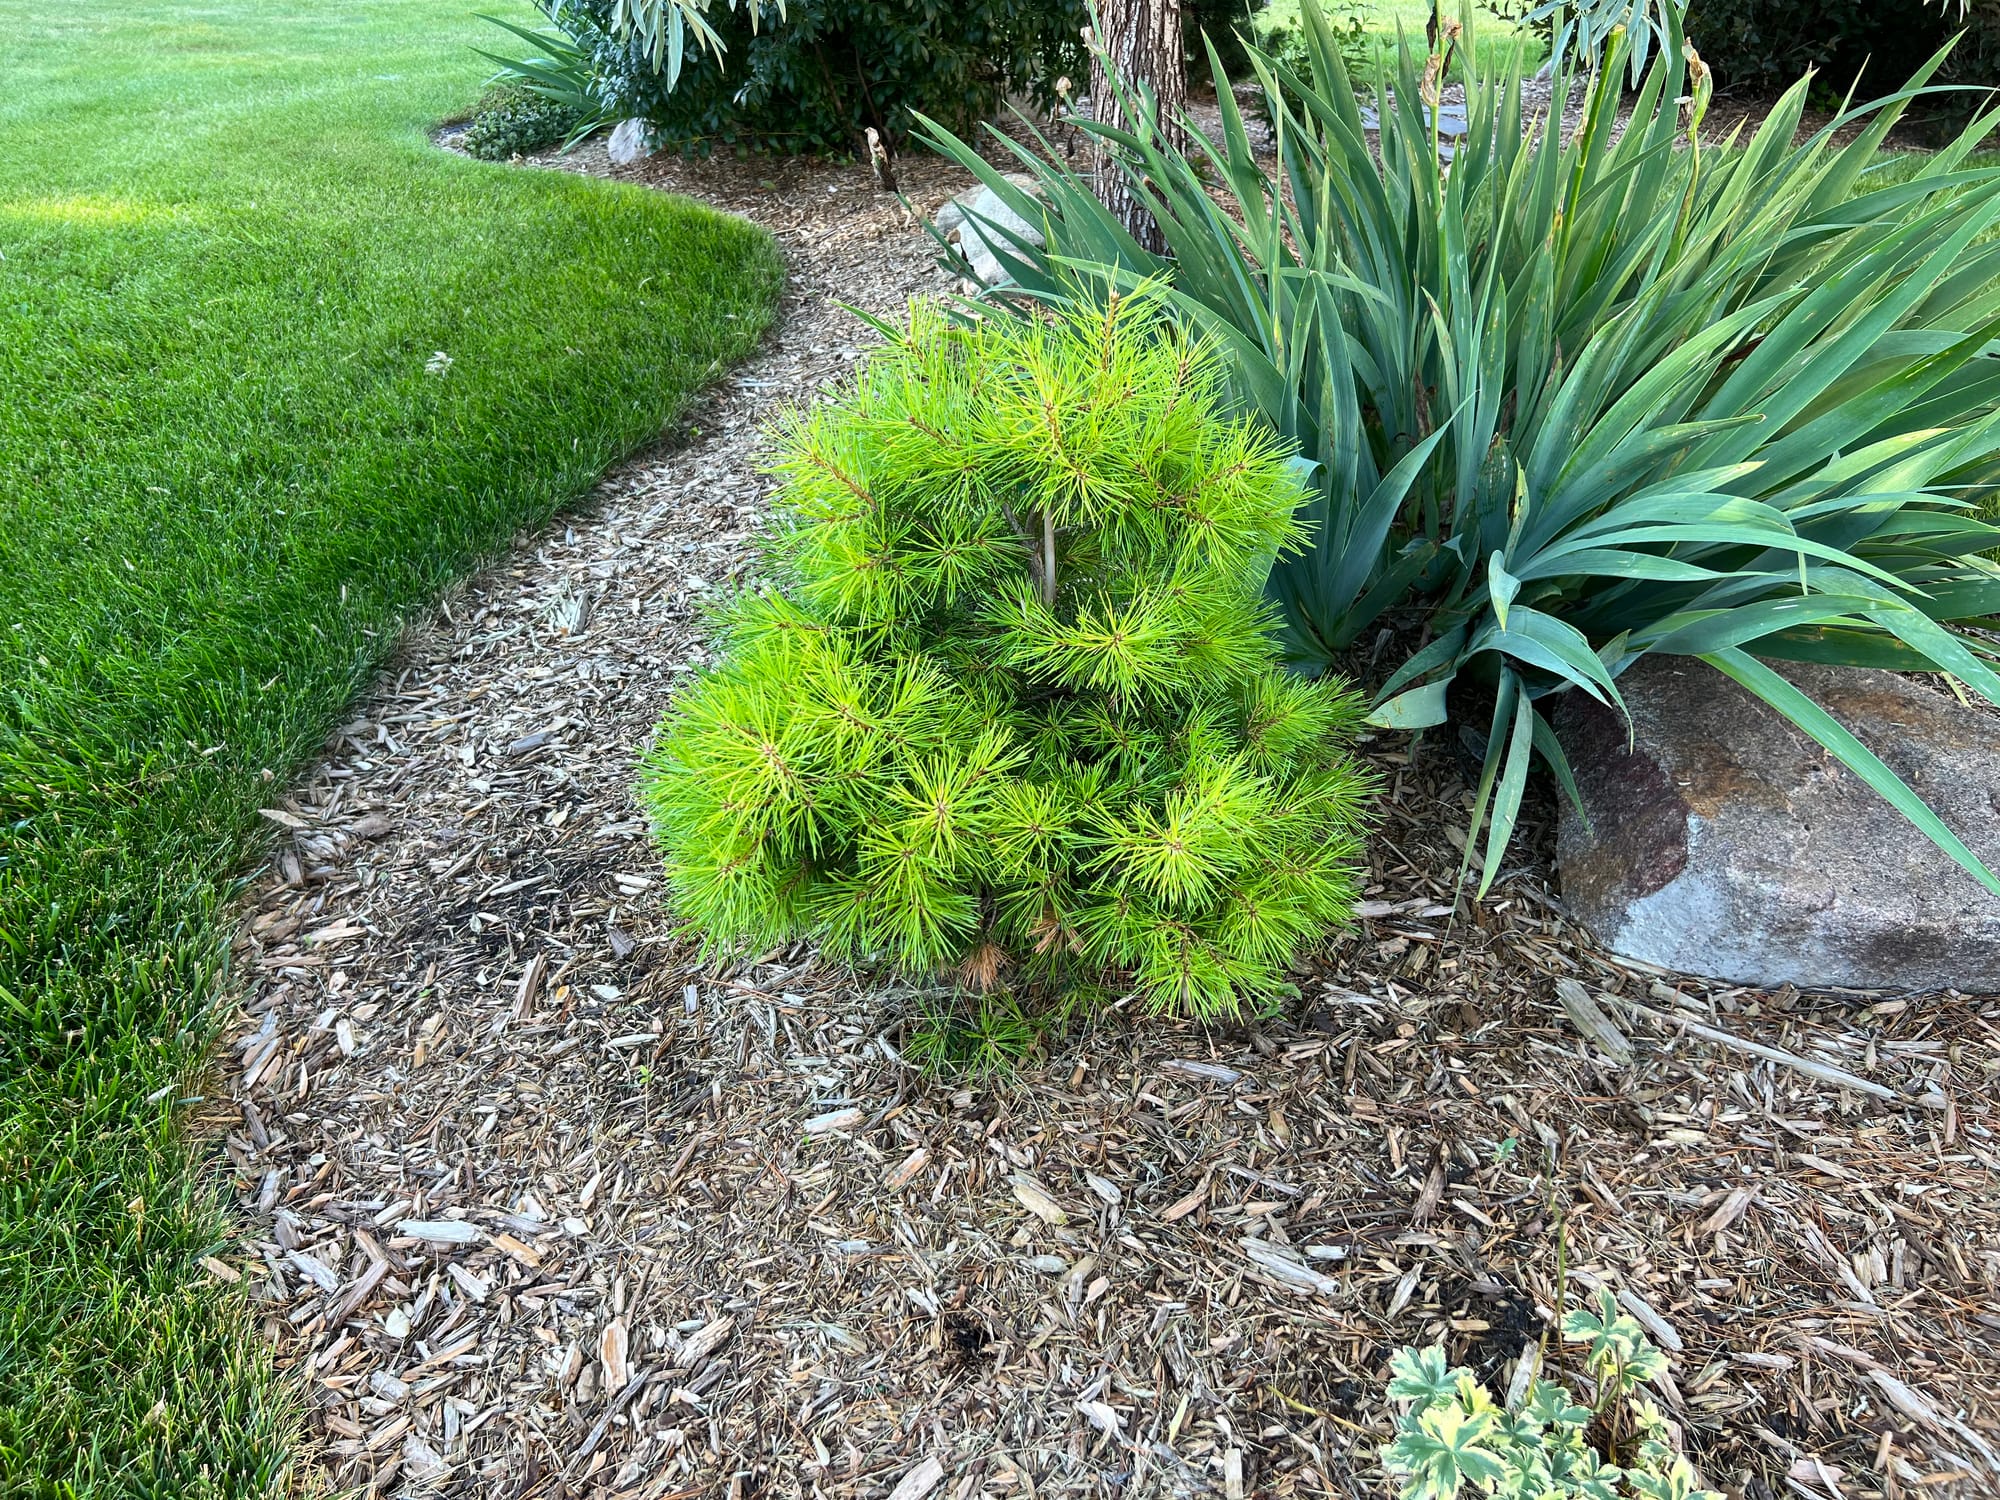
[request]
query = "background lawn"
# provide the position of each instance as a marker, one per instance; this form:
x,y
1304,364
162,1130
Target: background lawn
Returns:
x,y
1384,20
225,473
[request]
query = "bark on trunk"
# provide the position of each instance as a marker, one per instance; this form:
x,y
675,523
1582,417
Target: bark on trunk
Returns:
x,y
1140,41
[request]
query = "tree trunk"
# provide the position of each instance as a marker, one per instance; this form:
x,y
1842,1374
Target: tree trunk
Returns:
x,y
1140,42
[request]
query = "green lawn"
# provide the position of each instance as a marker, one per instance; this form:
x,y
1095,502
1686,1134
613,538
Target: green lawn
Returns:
x,y
226,473
1384,20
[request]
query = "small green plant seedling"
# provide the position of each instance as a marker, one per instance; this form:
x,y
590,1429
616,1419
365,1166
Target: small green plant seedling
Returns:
x,y
1453,1437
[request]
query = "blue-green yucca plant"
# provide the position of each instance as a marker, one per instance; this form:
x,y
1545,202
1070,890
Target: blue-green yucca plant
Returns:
x,y
1011,707
1578,400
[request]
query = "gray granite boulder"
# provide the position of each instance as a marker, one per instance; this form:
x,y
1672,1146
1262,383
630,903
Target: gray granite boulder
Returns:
x,y
1723,842
976,223
630,140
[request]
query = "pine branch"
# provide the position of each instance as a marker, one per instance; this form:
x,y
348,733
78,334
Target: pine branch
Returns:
x,y
1048,559
1030,550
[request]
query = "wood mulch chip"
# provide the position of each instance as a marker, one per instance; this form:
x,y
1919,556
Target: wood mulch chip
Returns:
x,y
536,1205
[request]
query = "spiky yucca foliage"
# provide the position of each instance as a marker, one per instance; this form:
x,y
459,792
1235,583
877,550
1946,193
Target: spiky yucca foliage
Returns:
x,y
1582,397
1010,707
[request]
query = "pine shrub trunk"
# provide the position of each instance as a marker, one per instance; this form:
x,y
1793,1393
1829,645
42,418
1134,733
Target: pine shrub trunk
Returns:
x,y
1140,43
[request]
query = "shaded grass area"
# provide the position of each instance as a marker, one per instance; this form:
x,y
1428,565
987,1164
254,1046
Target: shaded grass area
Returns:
x,y
273,370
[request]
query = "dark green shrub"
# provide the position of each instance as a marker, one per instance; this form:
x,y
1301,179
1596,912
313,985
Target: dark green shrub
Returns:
x,y
512,122
1225,23
1011,710
1974,64
1763,46
814,79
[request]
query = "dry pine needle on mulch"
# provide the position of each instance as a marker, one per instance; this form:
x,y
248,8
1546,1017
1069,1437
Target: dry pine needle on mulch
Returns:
x,y
536,1206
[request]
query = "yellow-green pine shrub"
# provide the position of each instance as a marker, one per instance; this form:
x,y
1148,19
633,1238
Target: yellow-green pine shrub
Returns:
x,y
1009,706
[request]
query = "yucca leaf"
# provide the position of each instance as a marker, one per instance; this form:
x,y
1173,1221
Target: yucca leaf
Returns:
x,y
1705,535
1501,586
1609,562
1772,689
1390,588
1507,796
1836,187
1541,640
1939,647
1445,649
1354,551
1696,631
1835,646
1976,598
1419,708
1552,753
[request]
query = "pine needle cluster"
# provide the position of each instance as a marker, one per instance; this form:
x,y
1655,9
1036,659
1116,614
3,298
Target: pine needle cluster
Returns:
x,y
1011,708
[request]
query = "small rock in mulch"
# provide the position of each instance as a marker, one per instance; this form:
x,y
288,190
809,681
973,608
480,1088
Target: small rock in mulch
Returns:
x,y
978,224
629,141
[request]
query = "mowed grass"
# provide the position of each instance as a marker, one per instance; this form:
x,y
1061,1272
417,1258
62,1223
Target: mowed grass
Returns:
x,y
226,474
1384,21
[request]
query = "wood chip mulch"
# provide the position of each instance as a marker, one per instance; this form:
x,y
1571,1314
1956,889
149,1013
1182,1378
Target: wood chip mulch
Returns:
x,y
537,1206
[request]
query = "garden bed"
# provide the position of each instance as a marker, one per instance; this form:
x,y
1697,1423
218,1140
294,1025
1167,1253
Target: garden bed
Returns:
x,y
539,1205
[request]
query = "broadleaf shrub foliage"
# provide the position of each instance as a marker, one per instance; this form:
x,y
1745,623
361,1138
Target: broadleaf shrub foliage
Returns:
x,y
811,76
1010,707
1579,399
1765,45
512,122
559,73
